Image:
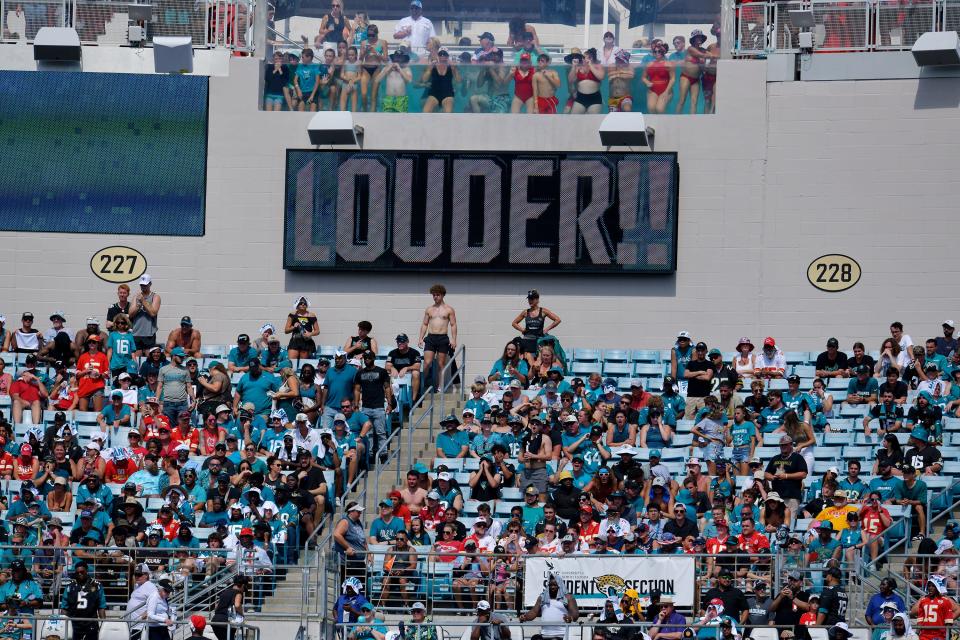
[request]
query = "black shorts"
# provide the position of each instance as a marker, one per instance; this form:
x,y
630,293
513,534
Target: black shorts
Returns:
x,y
589,99
436,342
307,345
529,345
145,343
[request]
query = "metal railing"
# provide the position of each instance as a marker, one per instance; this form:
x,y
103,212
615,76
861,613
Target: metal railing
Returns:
x,y
841,25
212,23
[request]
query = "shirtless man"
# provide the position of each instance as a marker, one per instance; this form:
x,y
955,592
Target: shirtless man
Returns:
x,y
397,75
546,81
438,319
413,495
621,77
495,98
186,336
535,451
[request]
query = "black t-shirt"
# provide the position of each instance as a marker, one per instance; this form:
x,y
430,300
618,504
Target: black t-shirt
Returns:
x,y
312,480
697,388
926,417
400,360
116,310
886,415
688,528
372,383
734,601
824,363
755,404
275,82
894,459
785,614
567,502
922,459
865,359
483,490
834,601
899,389
794,463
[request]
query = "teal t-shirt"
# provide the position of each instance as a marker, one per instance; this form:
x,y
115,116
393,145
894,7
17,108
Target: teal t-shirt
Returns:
x,y
870,387
771,419
451,445
255,390
742,433
386,531
123,347
242,359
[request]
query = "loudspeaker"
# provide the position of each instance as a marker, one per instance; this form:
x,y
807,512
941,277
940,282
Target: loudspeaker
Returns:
x,y
334,127
56,44
172,54
937,48
625,129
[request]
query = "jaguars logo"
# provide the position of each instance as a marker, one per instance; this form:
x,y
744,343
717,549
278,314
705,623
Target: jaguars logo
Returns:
x,y
611,585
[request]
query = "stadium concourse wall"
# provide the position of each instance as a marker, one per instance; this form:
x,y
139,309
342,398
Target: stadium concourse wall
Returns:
x,y
783,173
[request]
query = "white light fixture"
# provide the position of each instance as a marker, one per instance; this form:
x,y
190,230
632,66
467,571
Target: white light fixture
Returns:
x,y
172,54
335,128
803,19
937,49
57,45
626,129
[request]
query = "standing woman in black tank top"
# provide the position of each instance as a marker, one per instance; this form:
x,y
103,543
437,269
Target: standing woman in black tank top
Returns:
x,y
534,319
229,605
334,27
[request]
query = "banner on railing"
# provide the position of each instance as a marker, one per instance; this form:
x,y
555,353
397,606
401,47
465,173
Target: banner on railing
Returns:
x,y
592,579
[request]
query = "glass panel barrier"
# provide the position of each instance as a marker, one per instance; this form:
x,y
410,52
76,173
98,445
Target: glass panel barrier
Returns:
x,y
669,82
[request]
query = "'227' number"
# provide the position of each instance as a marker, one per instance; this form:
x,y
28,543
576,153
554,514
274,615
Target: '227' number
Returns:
x,y
118,262
844,270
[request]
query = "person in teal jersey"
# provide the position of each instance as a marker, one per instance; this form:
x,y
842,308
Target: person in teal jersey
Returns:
x,y
771,416
532,510
743,439
509,367
825,546
22,584
572,431
256,386
13,624
581,477
115,414
451,442
674,406
885,483
863,388
483,442
931,356
796,400
852,485
927,415
274,357
594,388
591,448
121,347
337,387
680,354
852,540
912,493
257,465
476,403
821,405
384,528
240,356
555,375
272,439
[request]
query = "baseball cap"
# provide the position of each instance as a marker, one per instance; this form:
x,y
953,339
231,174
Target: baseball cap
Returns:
x,y
683,335
483,605
418,606
833,342
179,352
701,346
444,475
246,531
185,321
949,323
531,490
656,453
769,342
198,622
145,279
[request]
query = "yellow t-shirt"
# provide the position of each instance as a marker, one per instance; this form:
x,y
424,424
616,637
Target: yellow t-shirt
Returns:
x,y
836,516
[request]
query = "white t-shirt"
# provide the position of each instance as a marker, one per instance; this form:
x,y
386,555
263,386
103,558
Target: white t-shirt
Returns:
x,y
553,611
421,30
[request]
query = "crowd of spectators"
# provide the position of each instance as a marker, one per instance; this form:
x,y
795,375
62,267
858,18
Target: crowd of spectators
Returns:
x,y
352,66
718,461
184,454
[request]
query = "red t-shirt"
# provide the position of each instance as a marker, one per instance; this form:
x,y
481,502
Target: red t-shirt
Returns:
x,y
210,439
28,392
449,547
588,533
754,543
88,385
431,520
25,467
192,440
871,522
716,545
119,475
138,454
933,613
152,424
171,529
6,464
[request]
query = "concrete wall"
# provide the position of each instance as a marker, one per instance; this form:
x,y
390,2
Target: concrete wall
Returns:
x,y
784,173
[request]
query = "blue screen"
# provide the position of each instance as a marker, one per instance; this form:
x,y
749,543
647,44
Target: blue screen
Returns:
x,y
103,153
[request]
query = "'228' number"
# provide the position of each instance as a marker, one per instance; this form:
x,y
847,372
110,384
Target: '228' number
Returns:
x,y
845,272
